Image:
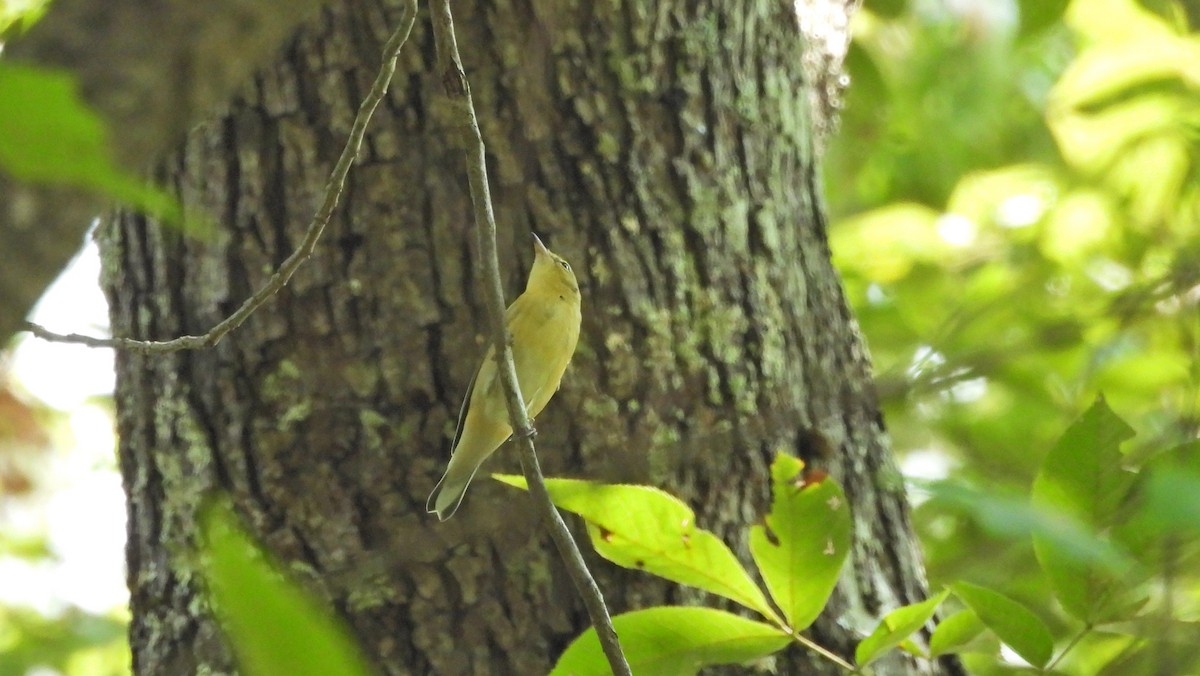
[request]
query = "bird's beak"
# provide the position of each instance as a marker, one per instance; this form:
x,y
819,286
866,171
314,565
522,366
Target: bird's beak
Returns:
x,y
538,247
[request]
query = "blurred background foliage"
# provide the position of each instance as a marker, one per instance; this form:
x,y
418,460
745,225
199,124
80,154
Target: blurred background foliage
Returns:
x,y
1015,200
46,625
17,16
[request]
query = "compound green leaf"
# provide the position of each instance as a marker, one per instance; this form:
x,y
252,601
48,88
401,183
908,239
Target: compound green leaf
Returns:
x,y
1012,622
803,546
674,641
647,529
895,627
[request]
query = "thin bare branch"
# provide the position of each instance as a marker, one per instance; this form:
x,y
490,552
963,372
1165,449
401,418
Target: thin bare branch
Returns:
x,y
454,81
333,193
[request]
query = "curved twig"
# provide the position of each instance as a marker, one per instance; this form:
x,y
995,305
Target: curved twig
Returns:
x,y
333,192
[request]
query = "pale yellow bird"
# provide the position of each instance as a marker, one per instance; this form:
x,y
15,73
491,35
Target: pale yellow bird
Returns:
x,y
544,325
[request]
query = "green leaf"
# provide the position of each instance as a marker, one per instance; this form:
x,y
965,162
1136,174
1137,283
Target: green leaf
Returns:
x,y
801,550
1023,631
273,625
1171,492
1082,478
674,641
1083,473
51,136
895,627
1013,518
647,529
911,647
954,632
1038,15
1164,511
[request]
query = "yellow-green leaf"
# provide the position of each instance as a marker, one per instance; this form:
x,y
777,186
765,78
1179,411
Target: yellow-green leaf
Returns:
x,y
272,624
1012,622
801,549
1082,478
51,136
647,529
954,632
895,627
674,641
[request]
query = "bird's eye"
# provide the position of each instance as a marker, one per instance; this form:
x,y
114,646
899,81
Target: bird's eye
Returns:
x,y
564,265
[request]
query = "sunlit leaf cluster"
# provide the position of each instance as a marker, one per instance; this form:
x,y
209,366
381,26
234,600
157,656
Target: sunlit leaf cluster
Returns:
x,y
800,551
1115,542
1116,539
1017,222
1016,197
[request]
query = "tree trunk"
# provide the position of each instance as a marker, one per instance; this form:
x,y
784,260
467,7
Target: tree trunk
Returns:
x,y
664,150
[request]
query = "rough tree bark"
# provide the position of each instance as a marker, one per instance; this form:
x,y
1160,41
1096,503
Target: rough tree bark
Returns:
x,y
666,151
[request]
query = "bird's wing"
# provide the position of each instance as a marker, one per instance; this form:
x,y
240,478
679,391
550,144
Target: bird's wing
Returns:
x,y
515,310
462,411
511,315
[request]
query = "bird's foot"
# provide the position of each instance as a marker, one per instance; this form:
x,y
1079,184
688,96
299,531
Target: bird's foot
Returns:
x,y
531,434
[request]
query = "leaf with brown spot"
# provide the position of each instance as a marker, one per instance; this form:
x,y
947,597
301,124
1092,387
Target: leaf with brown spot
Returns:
x,y
647,529
803,545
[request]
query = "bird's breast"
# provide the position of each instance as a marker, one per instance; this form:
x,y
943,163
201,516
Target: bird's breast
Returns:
x,y
543,341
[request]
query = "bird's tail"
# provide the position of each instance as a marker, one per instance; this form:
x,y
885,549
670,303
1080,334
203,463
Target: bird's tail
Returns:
x,y
448,494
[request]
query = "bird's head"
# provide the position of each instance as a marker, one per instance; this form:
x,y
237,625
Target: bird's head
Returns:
x,y
550,271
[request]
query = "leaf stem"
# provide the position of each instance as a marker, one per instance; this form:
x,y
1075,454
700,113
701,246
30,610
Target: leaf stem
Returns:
x,y
1074,641
823,651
